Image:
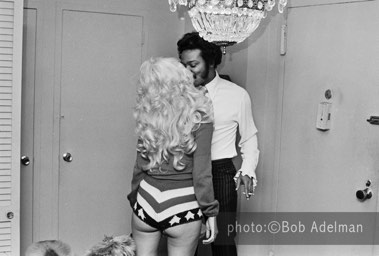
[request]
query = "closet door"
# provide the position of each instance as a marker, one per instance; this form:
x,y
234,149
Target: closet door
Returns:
x,y
332,58
97,66
27,126
10,114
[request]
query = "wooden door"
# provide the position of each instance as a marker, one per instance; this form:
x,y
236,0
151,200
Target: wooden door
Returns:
x,y
99,55
27,126
330,47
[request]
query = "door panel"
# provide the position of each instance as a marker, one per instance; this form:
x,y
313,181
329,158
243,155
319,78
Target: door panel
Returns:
x,y
332,47
27,126
100,59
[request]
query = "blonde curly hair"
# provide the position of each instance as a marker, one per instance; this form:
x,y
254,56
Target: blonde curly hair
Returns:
x,y
169,109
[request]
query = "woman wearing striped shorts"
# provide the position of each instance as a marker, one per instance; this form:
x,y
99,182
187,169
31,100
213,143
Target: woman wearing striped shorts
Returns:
x,y
172,189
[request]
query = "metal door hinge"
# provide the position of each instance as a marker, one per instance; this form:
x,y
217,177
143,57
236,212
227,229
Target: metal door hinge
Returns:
x,y
283,40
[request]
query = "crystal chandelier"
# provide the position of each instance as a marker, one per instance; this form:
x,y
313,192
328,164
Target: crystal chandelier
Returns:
x,y
226,22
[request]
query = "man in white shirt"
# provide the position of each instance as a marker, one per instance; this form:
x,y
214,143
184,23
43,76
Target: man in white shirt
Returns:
x,y
232,112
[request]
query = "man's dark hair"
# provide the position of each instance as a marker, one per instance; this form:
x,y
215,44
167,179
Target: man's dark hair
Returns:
x,y
210,52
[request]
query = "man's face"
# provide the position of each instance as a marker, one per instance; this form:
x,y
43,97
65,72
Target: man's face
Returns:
x,y
193,61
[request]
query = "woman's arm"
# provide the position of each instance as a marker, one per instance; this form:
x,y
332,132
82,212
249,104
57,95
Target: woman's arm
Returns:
x,y
202,171
138,175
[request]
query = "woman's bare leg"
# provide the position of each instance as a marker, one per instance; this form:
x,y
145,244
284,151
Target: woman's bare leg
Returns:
x,y
182,239
146,237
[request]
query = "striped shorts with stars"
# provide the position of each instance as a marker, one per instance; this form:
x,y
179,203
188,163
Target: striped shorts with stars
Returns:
x,y
166,203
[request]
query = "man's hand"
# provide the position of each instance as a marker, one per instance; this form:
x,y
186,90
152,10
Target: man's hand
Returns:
x,y
248,183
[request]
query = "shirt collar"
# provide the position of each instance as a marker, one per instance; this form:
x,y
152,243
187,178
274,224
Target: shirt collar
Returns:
x,y
212,85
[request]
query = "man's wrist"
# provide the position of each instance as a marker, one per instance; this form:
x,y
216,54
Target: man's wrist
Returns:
x,y
238,174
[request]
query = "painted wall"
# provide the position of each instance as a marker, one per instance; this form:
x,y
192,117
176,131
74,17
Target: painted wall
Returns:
x,y
163,28
263,67
255,64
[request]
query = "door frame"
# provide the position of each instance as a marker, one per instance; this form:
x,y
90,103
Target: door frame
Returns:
x,y
42,185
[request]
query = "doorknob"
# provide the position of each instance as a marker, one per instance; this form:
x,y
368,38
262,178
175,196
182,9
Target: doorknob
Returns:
x,y
25,160
67,157
364,194
10,215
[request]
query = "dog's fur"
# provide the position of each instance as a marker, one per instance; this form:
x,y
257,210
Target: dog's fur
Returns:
x,y
114,246
49,248
110,246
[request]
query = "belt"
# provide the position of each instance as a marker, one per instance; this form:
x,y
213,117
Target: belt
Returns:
x,y
222,161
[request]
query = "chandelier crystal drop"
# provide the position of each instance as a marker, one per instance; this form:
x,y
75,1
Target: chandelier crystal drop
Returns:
x,y
227,22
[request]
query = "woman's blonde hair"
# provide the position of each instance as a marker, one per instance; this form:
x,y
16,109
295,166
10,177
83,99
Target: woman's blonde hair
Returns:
x,y
169,109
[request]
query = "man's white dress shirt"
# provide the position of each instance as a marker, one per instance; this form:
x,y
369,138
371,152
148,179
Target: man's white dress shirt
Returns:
x,y
232,110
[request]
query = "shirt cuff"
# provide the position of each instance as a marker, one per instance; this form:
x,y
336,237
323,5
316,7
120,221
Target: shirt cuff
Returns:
x,y
251,175
249,166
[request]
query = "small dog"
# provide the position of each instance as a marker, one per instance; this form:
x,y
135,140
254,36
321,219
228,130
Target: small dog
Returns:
x,y
114,246
49,248
110,246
